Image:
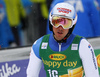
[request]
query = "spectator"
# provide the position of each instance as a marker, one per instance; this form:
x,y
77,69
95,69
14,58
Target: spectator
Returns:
x,y
6,35
15,13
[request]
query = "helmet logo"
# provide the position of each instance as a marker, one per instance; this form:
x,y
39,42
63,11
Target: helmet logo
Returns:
x,y
64,10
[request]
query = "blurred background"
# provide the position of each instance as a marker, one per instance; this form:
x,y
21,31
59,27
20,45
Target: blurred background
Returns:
x,y
22,22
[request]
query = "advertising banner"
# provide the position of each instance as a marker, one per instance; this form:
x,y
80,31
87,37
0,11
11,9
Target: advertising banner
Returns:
x,y
13,68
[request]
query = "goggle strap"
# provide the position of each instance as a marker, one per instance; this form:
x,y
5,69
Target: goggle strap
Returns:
x,y
75,20
50,17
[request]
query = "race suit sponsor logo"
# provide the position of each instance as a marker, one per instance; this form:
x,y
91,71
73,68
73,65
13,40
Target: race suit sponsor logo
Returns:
x,y
57,64
57,56
93,57
64,10
7,71
44,45
74,47
89,46
78,72
98,60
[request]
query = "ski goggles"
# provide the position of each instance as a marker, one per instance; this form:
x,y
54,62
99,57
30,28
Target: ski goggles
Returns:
x,y
65,22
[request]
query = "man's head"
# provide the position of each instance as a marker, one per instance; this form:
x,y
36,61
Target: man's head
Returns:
x,y
62,20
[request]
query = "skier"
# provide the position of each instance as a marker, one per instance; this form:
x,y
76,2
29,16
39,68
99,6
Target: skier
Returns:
x,y
63,54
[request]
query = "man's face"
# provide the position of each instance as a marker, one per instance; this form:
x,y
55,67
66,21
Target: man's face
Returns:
x,y
60,33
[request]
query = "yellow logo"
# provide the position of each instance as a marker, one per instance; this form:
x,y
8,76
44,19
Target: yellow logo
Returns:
x,y
57,56
78,72
98,60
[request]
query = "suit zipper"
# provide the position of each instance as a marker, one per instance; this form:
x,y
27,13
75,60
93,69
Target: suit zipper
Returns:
x,y
60,47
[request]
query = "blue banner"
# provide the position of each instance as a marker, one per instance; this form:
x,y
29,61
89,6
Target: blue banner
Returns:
x,y
13,68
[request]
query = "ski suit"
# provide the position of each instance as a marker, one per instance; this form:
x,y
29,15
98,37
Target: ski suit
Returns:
x,y
73,58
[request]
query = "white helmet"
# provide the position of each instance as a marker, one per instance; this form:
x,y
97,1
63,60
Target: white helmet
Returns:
x,y
65,9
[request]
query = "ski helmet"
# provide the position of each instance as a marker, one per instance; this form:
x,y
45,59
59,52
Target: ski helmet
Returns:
x,y
64,9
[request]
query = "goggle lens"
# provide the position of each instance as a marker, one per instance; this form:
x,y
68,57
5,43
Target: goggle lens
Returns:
x,y
65,22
